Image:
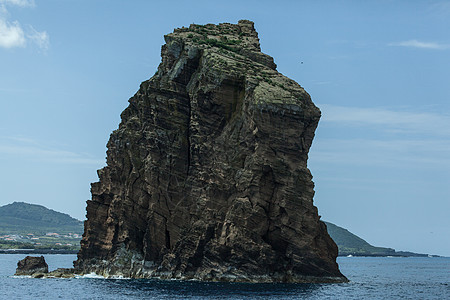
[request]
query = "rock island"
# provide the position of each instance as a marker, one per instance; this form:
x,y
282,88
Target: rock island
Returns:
x,y
207,176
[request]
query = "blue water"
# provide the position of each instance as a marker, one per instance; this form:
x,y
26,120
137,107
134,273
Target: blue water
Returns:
x,y
370,278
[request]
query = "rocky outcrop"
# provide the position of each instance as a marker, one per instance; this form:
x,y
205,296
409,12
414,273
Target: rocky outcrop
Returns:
x,y
32,265
37,267
207,176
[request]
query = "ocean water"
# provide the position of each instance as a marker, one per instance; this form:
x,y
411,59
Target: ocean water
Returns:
x,y
370,278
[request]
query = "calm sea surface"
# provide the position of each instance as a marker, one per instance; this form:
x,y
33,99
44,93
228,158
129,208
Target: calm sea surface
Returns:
x,y
370,278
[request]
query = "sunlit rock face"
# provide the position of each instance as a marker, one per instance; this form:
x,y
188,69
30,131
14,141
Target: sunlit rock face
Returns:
x,y
207,176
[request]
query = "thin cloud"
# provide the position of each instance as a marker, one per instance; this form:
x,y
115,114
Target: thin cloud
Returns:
x,y
41,39
413,140
387,153
20,3
421,45
25,148
322,82
388,120
440,9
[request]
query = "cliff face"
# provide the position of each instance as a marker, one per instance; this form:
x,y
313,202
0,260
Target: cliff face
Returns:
x,y
207,176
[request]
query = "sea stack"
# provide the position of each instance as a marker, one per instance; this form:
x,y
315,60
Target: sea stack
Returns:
x,y
207,176
32,266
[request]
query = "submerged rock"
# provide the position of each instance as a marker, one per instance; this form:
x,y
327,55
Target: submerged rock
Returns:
x,y
32,266
61,273
207,176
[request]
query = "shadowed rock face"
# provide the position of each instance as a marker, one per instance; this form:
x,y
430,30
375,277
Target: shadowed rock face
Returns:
x,y
207,176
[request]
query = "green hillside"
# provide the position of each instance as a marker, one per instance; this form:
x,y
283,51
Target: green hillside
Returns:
x,y
350,244
23,218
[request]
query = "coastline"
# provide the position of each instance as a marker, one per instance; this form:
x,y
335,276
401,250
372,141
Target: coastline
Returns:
x,y
37,251
63,251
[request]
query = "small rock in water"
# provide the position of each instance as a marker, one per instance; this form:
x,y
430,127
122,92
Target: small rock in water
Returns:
x,y
32,265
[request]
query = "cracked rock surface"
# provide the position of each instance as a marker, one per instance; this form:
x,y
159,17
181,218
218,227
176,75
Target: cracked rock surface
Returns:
x,y
207,176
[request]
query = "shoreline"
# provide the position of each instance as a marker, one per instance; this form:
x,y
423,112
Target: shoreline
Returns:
x,y
38,251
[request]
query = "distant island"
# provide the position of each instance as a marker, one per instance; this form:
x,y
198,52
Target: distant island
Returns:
x,y
31,228
350,244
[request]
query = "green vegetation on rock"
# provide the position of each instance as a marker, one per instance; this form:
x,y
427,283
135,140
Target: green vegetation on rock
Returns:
x,y
222,43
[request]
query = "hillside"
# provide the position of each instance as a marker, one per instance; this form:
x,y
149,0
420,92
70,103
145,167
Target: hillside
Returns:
x,y
24,218
350,244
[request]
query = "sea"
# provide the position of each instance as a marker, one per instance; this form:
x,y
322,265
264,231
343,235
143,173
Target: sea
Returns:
x,y
370,278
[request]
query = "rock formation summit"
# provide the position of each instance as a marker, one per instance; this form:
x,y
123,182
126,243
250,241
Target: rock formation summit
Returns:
x,y
207,176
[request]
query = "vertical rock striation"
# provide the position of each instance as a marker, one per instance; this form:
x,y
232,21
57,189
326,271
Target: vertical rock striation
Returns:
x,y
207,176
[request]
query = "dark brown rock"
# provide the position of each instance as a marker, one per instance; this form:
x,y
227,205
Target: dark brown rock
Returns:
x,y
207,176
33,266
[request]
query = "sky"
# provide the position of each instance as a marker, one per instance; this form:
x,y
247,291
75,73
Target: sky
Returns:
x,y
378,70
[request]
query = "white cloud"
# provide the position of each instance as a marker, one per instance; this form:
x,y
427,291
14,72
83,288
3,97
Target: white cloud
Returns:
x,y
422,45
388,120
11,35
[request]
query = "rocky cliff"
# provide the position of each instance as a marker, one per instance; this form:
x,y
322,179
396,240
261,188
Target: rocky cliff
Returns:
x,y
207,176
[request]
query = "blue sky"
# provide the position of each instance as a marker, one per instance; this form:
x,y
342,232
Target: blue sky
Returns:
x,y
378,70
